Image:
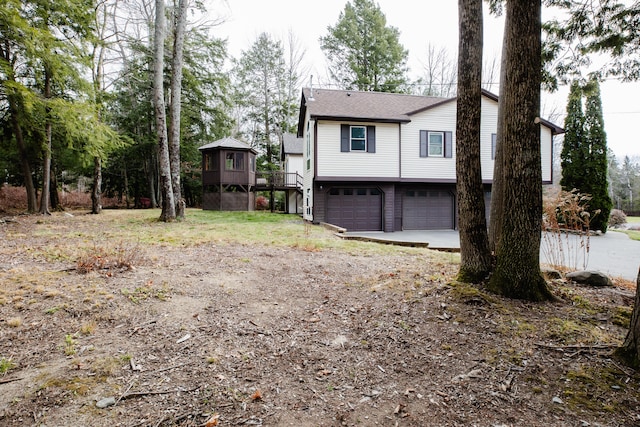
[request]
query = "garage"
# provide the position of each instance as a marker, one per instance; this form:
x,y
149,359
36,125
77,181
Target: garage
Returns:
x,y
356,209
428,210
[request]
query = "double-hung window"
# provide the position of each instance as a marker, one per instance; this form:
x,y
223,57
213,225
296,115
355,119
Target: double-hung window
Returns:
x,y
435,143
357,138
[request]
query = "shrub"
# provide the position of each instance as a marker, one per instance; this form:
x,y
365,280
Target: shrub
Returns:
x,y
565,226
262,203
12,199
617,218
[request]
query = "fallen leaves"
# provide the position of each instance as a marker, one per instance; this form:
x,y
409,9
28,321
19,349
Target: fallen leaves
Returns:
x,y
212,421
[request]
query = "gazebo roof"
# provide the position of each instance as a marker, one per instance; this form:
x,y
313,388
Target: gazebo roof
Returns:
x,y
228,142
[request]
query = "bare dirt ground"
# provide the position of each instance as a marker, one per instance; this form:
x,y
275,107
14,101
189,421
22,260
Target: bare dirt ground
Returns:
x,y
234,333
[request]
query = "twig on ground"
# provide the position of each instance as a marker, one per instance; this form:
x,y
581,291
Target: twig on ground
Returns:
x,y
173,419
578,347
123,394
150,393
10,380
626,372
170,367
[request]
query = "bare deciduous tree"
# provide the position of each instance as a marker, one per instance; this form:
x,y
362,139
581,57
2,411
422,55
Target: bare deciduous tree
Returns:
x,y
168,205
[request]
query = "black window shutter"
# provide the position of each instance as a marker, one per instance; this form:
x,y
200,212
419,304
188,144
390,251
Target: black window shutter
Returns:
x,y
424,149
371,139
345,138
493,145
447,144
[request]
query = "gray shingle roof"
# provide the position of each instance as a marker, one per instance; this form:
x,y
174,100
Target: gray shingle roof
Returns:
x,y
291,144
227,142
372,106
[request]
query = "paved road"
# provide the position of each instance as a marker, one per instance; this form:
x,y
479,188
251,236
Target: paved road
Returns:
x,y
612,253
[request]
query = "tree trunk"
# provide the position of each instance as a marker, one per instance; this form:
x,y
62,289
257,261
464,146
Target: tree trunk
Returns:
x,y
168,206
46,164
16,109
475,258
496,211
126,183
517,273
24,158
96,188
98,86
630,350
152,173
176,100
54,198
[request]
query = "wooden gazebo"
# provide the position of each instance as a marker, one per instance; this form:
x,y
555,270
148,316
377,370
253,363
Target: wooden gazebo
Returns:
x,y
228,175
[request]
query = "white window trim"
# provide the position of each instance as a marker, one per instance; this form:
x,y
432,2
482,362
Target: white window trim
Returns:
x,y
442,147
351,139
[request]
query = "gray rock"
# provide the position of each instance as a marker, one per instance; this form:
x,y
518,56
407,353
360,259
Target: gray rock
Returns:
x,y
591,278
106,402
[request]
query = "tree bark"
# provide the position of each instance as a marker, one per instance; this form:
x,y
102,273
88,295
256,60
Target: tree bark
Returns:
x,y
96,188
24,158
517,273
98,85
54,198
168,206
46,164
630,350
475,258
175,105
496,209
16,110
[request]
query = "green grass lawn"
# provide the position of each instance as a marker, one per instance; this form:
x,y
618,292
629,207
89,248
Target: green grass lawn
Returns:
x,y
633,219
141,226
633,234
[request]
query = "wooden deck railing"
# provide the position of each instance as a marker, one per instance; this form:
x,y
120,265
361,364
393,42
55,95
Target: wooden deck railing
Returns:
x,y
279,180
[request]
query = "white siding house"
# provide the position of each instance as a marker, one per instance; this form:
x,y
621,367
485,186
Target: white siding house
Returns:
x,y
382,161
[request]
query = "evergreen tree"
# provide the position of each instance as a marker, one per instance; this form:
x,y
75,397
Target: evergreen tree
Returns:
x,y
573,157
584,154
629,181
596,173
206,102
363,52
263,83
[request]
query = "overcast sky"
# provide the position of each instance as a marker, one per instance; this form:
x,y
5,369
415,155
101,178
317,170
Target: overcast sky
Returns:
x,y
435,23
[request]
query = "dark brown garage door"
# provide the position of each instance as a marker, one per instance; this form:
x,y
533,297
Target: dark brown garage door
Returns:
x,y
427,210
356,209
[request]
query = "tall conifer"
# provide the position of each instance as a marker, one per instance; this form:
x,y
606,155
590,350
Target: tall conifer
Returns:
x,y
584,153
573,157
596,173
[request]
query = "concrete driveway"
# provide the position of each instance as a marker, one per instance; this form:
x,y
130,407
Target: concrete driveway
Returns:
x,y
613,253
